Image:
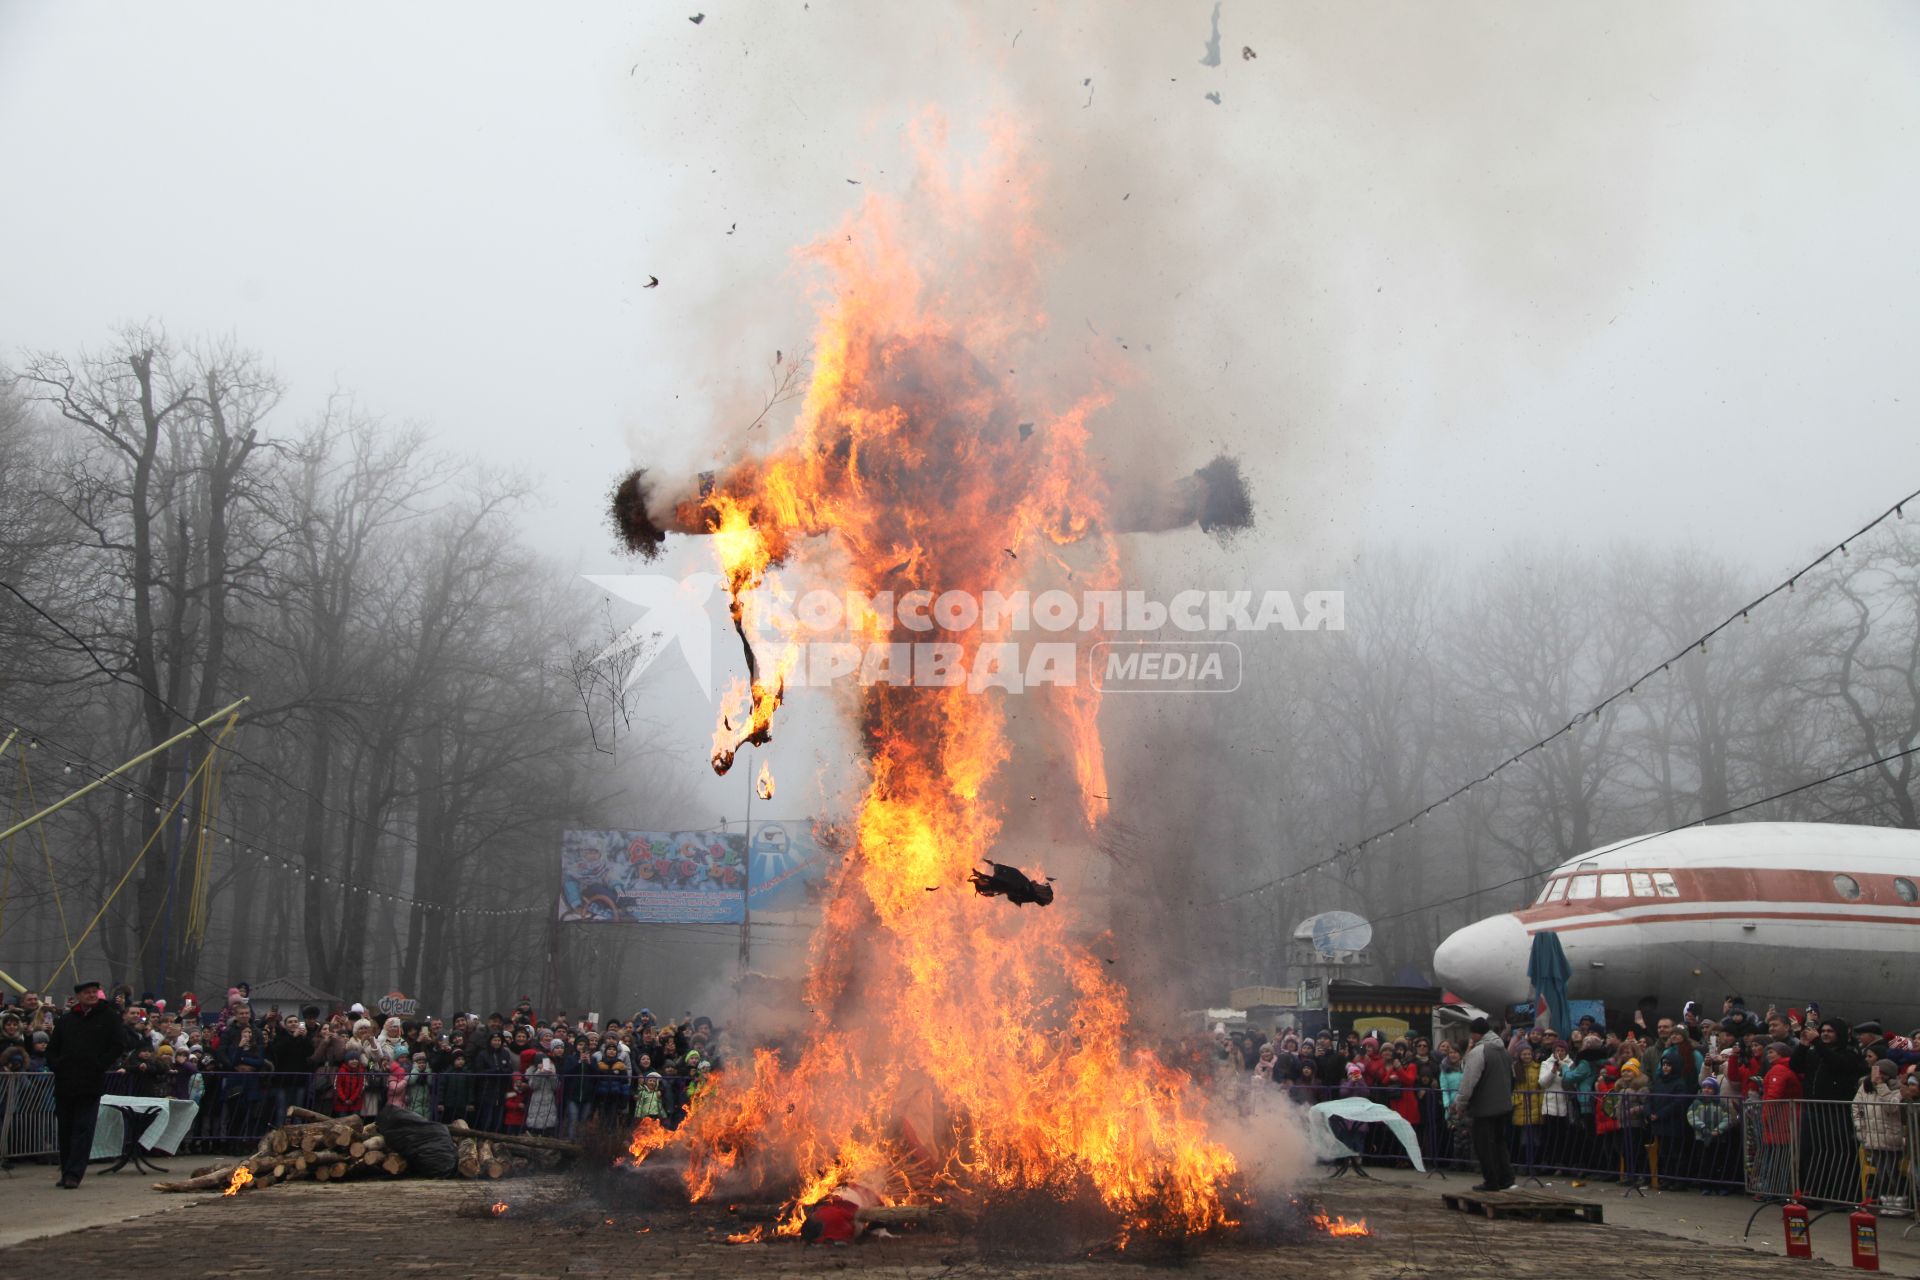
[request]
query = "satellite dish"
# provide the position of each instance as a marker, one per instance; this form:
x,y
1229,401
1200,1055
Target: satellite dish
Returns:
x,y
1334,932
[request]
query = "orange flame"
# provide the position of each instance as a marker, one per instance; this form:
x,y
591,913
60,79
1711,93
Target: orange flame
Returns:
x,y
754,1236
1339,1226
932,475
763,785
498,1208
242,1176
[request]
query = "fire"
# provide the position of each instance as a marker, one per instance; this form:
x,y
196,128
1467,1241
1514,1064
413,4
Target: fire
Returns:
x,y
958,1048
763,785
498,1208
1339,1226
242,1176
754,1236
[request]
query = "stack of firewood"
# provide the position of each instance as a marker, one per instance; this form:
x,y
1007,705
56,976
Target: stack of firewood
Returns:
x,y
331,1148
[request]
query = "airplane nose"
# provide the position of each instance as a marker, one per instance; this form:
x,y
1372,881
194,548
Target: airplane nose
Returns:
x,y
1486,962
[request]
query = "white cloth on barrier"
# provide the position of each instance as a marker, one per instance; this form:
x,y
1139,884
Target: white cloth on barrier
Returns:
x,y
1361,1111
167,1121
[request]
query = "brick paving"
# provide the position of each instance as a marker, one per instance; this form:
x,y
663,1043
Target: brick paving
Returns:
x,y
555,1227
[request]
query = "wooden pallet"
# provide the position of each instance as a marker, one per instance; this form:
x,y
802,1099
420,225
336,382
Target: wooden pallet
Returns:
x,y
1515,1203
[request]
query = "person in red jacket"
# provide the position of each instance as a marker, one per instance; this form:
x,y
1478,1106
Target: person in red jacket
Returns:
x,y
1606,1120
517,1092
349,1085
1780,1092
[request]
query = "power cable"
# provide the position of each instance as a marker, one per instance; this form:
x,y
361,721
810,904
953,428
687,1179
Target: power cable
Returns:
x,y
1897,511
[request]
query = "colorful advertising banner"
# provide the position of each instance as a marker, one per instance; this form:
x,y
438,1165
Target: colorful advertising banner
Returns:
x,y
685,877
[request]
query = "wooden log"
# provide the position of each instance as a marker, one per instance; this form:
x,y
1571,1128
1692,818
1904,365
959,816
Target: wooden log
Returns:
x,y
376,1143
395,1163
494,1168
316,1117
371,1159
356,1149
467,1163
280,1141
459,1129
341,1134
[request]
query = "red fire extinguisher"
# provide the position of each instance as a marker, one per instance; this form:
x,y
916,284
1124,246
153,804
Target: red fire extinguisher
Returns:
x,y
1865,1237
1799,1239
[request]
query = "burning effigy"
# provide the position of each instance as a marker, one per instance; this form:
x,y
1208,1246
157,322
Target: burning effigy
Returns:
x,y
958,1052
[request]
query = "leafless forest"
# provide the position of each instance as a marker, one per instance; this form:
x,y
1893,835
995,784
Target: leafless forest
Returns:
x,y
423,720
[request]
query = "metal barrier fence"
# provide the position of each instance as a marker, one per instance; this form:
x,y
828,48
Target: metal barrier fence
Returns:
x,y
27,1127
237,1108
1836,1153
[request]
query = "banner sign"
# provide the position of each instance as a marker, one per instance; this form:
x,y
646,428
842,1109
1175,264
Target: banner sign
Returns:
x,y
397,1004
686,877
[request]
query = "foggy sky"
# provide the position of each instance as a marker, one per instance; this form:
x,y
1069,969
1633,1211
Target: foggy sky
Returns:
x,y
1456,276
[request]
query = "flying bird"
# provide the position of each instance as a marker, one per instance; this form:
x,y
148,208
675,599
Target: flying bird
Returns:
x,y
697,19
653,282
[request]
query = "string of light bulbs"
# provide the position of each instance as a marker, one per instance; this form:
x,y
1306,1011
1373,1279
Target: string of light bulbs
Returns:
x,y
273,858
1698,645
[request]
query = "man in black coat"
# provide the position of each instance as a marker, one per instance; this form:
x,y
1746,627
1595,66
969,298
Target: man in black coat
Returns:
x,y
87,1041
1831,1069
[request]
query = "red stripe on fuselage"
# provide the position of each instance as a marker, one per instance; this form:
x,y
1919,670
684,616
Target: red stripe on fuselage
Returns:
x,y
1538,926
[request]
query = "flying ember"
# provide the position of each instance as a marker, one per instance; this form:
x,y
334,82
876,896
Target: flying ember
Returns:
x,y
913,466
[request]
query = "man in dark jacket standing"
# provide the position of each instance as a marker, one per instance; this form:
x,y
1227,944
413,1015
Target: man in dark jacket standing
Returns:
x,y
1831,1069
1486,1095
87,1040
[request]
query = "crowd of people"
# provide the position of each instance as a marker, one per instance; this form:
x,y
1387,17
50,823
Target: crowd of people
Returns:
x,y
1783,1101
546,1074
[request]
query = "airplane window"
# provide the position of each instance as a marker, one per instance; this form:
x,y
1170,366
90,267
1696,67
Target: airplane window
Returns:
x,y
1904,887
1847,886
1557,889
1613,885
1665,885
1581,888
1545,889
1642,884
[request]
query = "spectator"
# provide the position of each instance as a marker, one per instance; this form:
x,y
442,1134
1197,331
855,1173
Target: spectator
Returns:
x,y
1529,1110
397,1072
1830,1068
87,1040
1779,1118
1879,1125
612,1092
647,1103
457,1100
349,1083
543,1094
1669,1097
493,1074
420,1084
1486,1097
1710,1119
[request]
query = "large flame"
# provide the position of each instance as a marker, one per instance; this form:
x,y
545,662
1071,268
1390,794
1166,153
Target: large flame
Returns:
x,y
960,1047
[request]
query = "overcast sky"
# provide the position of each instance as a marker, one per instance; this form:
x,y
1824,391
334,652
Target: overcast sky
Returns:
x,y
1457,275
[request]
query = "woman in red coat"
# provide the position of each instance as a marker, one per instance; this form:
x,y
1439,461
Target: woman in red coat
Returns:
x,y
349,1084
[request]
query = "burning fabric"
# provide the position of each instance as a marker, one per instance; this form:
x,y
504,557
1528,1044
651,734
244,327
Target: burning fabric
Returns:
x,y
914,468
1013,884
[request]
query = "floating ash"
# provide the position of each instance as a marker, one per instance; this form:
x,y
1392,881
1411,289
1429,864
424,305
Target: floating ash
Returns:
x,y
912,467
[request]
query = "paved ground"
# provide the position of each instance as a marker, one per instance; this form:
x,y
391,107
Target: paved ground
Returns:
x,y
31,1206
556,1227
